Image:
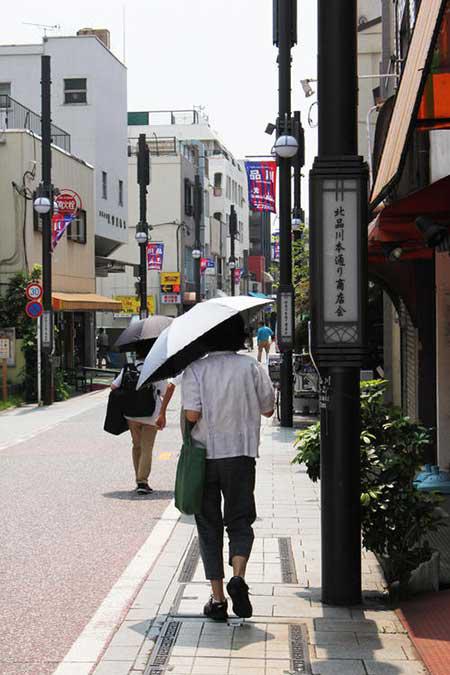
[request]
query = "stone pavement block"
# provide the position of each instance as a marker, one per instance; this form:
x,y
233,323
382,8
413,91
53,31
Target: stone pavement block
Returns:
x,y
337,667
122,653
66,668
360,652
330,638
325,624
114,668
130,634
395,668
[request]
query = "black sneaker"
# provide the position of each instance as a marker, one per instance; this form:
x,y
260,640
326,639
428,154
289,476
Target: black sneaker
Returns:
x,y
143,489
238,592
216,610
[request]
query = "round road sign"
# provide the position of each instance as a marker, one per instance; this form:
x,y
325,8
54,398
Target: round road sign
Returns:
x,y
68,201
33,291
33,309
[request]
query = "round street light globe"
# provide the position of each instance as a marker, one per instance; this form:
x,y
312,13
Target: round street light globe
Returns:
x,y
231,264
296,223
41,205
141,237
196,254
286,147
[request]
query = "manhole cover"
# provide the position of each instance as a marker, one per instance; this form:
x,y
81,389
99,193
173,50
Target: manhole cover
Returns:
x,y
190,562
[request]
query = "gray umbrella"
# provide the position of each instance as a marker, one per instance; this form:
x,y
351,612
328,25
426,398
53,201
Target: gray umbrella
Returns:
x,y
142,331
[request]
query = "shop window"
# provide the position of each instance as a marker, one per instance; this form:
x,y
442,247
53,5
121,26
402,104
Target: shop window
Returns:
x,y
188,204
104,185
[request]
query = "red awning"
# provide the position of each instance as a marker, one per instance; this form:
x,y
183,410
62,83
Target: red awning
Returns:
x,y
396,222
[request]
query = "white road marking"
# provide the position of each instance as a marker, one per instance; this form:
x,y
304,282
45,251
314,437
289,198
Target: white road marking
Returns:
x,y
88,648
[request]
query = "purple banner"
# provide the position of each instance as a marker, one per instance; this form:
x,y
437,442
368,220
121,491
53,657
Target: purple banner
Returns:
x,y
262,178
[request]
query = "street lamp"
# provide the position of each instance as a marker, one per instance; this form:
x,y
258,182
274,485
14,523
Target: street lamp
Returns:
x,y
196,254
141,236
42,205
232,264
286,146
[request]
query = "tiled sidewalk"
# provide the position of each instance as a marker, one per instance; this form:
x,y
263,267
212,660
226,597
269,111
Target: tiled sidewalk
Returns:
x,y
291,631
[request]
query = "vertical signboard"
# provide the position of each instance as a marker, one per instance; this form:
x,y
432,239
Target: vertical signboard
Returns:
x,y
261,177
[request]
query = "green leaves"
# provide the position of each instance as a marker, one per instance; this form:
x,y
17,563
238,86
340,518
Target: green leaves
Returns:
x,y
395,516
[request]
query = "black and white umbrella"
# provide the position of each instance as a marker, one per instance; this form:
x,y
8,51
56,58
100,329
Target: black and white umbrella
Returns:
x,y
142,331
185,340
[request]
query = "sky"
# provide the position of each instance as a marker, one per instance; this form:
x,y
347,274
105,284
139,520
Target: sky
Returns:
x,y
180,53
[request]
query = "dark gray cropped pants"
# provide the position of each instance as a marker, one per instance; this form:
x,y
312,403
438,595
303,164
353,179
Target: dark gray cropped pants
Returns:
x,y
234,478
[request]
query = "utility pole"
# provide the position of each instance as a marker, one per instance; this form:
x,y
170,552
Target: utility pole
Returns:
x,y
143,179
198,210
338,262
46,190
232,262
285,36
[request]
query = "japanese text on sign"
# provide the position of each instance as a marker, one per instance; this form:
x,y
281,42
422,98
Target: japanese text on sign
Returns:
x,y
340,246
155,256
261,178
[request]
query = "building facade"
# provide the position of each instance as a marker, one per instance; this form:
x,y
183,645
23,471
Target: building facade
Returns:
x,y
89,101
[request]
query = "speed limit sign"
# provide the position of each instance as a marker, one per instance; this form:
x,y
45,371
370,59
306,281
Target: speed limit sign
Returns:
x,y
33,291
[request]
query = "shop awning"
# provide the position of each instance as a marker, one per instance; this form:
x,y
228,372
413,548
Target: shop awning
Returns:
x,y
396,222
409,96
84,302
259,295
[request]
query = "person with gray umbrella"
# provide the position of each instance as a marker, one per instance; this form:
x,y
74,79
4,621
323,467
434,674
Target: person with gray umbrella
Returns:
x,y
150,403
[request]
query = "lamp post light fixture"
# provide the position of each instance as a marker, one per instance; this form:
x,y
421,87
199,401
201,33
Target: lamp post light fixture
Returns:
x,y
232,264
196,254
42,205
286,146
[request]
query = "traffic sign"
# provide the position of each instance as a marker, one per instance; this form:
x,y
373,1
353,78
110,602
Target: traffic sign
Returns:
x,y
4,348
68,202
33,291
33,309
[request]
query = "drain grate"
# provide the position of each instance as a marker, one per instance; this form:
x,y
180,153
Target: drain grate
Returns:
x,y
298,647
160,657
288,571
190,562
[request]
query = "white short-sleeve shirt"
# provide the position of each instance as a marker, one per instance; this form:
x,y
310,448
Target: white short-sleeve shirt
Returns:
x,y
231,391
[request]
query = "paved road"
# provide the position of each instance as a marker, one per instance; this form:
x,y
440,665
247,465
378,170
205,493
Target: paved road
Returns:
x,y
69,524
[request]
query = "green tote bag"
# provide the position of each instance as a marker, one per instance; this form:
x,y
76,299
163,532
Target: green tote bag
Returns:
x,y
190,479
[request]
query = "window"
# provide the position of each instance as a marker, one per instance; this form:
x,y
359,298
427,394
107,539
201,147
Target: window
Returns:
x,y
75,90
104,185
228,192
121,193
188,264
77,228
234,192
188,205
5,93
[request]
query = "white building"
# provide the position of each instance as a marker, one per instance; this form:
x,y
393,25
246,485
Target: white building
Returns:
x,y
89,102
224,184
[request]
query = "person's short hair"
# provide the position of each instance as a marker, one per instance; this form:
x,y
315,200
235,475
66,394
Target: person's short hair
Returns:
x,y
229,335
100,330
142,348
262,323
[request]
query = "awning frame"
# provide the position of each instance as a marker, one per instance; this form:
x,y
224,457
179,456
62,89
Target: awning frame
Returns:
x,y
387,187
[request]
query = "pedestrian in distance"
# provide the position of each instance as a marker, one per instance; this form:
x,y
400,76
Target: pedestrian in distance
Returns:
x,y
144,427
224,396
102,348
264,339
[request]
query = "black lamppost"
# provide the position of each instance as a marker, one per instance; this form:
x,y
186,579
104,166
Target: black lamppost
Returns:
x,y
196,253
232,259
44,206
286,147
141,236
338,259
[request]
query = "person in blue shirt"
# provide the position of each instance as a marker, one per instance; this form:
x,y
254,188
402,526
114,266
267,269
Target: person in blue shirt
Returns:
x,y
264,339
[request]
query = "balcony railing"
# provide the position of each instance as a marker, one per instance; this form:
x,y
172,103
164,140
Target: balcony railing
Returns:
x,y
158,145
14,115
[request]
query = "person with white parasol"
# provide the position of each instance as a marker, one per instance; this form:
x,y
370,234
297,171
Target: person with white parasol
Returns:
x,y
224,394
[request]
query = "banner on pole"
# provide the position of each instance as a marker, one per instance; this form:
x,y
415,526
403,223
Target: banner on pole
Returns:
x,y
155,256
60,223
262,177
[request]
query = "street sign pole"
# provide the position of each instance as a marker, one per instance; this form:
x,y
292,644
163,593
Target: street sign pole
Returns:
x,y
39,363
47,190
